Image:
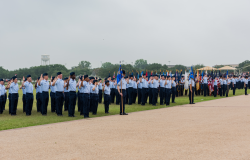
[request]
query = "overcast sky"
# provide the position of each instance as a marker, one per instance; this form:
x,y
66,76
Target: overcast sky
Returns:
x,y
181,31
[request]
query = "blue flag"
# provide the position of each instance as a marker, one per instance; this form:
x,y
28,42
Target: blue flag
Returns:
x,y
119,74
227,72
141,73
191,73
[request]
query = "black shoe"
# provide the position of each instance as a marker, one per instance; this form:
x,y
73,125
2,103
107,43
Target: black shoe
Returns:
x,y
13,114
120,113
154,105
52,111
28,115
161,104
93,113
143,104
173,102
193,103
107,112
124,114
86,116
72,116
44,114
81,114
59,115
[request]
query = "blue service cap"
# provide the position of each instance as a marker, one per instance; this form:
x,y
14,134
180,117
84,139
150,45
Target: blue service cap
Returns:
x,y
38,78
45,74
14,77
94,81
1,79
86,76
106,81
28,76
144,74
65,78
139,76
100,79
72,73
58,73
91,78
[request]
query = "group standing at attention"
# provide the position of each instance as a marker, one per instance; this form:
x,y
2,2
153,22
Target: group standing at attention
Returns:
x,y
87,93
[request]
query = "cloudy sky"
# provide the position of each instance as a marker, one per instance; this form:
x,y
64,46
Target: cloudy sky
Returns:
x,y
180,31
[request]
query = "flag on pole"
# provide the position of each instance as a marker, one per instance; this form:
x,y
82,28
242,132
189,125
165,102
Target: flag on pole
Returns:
x,y
119,74
109,73
114,75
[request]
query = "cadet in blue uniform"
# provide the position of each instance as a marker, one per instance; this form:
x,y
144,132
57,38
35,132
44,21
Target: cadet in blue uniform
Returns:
x,y
155,85
122,91
24,96
224,85
150,89
100,90
143,82
29,94
85,87
205,85
127,89
134,90
13,86
107,91
162,89
66,94
52,95
10,96
95,91
59,88
245,84
173,90
2,95
71,86
117,97
38,95
112,90
168,90
234,84
44,83
191,89
139,84
130,90
215,86
91,80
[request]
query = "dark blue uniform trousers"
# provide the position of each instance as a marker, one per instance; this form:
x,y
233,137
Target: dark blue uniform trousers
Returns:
x,y
29,102
59,102
45,100
167,95
72,103
95,98
66,101
85,102
53,101
24,102
14,100
122,107
106,102
39,102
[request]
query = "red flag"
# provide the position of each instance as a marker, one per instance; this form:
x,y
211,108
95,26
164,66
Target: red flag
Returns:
x,y
146,73
114,75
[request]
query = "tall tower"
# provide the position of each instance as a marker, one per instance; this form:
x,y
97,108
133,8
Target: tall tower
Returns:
x,y
45,59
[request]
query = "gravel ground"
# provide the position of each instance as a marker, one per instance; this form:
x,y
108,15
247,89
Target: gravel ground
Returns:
x,y
217,129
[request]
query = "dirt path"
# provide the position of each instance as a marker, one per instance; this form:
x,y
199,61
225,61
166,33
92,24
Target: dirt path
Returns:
x,y
218,129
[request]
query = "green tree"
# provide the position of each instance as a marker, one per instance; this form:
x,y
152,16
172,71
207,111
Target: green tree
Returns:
x,y
140,64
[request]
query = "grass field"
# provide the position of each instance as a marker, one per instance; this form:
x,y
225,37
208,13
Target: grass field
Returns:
x,y
21,120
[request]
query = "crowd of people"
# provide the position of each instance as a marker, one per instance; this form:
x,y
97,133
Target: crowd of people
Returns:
x,y
88,92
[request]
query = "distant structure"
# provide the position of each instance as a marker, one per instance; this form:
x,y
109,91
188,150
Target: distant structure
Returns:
x,y
232,65
45,59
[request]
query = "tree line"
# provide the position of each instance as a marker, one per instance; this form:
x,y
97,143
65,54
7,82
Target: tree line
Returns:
x,y
107,68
